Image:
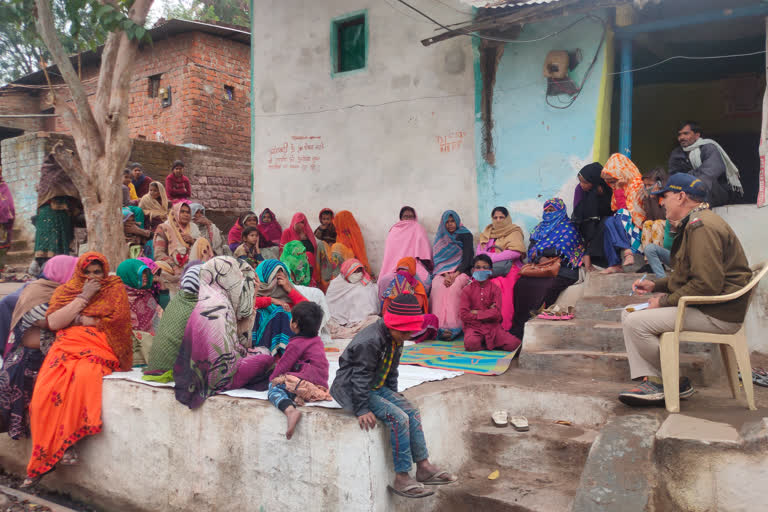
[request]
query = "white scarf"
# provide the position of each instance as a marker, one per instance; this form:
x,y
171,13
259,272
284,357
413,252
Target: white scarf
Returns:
x,y
731,171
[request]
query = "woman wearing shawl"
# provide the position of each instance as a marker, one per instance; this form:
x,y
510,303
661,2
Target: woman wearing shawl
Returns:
x,y
92,315
270,233
295,258
452,255
326,231
177,185
58,202
235,235
30,341
208,230
503,242
623,231
140,180
170,329
405,281
133,228
352,300
159,291
407,238
137,278
349,244
7,217
178,241
216,353
299,230
591,206
154,204
554,236
275,297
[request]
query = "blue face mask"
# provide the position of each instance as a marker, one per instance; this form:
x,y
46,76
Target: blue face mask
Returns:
x,y
481,275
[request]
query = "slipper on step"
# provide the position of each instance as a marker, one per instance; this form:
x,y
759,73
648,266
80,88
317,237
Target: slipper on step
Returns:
x,y
500,418
436,480
759,379
407,491
520,423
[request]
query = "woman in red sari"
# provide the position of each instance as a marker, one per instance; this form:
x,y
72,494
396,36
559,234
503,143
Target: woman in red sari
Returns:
x,y
300,230
93,318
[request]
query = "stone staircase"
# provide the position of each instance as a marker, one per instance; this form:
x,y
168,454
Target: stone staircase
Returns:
x,y
21,253
541,470
592,344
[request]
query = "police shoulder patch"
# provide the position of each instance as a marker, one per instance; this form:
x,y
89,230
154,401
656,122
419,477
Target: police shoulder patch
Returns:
x,y
695,223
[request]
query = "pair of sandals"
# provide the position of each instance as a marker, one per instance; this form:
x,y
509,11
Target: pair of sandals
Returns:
x,y
440,477
760,377
502,418
557,313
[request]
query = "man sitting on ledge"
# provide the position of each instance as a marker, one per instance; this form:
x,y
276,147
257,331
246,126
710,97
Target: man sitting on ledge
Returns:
x,y
366,384
707,259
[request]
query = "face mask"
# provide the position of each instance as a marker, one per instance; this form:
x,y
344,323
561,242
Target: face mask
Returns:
x,y
355,277
481,275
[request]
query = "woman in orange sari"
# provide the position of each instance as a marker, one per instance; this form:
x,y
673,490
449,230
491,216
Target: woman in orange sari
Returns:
x,y
623,231
349,244
93,318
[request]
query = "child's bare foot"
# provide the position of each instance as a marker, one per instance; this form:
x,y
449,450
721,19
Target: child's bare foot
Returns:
x,y
293,415
616,269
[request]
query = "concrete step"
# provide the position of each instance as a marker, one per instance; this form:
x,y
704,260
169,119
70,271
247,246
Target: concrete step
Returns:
x,y
584,334
596,284
20,244
704,369
601,308
546,448
22,258
512,491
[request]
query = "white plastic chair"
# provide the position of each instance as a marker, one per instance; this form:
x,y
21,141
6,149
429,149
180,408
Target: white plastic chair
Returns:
x,y
733,347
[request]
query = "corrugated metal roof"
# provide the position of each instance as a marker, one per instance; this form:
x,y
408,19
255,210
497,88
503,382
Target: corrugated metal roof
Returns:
x,y
489,4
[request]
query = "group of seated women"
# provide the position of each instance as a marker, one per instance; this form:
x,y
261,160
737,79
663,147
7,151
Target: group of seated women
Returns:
x,y
228,319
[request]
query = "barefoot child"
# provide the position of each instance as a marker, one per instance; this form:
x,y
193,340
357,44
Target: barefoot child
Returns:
x,y
366,384
301,374
249,249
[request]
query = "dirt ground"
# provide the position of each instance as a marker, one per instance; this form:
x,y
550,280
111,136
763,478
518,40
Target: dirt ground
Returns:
x,y
11,503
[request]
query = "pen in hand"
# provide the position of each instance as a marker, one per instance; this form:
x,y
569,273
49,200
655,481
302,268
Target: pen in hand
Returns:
x,y
633,288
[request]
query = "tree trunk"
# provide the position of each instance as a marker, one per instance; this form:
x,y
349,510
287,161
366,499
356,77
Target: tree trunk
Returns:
x,y
104,219
101,199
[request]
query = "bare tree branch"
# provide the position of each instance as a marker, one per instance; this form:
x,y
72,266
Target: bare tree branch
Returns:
x,y
88,126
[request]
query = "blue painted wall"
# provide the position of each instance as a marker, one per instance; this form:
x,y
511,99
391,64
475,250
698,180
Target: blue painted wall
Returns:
x,y
539,149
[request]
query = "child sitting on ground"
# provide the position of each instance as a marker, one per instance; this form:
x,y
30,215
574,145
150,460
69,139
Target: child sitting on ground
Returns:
x,y
480,311
249,249
301,374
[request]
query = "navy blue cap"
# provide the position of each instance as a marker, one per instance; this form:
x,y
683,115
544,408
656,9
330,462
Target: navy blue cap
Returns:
x,y
684,182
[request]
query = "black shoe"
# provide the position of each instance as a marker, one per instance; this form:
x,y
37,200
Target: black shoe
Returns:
x,y
645,269
686,388
647,393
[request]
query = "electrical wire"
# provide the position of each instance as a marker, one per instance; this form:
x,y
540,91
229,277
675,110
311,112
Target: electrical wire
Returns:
x,y
362,105
567,104
687,57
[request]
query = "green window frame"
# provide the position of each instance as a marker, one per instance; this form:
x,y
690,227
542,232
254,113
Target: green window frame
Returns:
x,y
349,43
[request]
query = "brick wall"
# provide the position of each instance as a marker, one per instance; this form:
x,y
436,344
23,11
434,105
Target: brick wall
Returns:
x,y
197,67
220,181
21,101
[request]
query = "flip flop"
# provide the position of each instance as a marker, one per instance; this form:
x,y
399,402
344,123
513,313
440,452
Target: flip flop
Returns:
x,y
520,423
404,492
760,379
30,482
436,480
500,418
70,458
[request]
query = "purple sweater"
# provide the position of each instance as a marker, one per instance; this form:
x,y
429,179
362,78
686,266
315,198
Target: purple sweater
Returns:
x,y
305,359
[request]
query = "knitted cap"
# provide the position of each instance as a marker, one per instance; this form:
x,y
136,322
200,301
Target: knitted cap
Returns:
x,y
404,313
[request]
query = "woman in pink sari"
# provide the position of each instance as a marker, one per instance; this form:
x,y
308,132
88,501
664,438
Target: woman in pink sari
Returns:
x,y
406,238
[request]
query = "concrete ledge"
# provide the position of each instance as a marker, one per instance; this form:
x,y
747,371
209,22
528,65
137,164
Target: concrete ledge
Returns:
x,y
155,454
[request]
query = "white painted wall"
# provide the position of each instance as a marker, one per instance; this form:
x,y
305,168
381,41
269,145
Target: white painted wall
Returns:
x,y
378,127
749,223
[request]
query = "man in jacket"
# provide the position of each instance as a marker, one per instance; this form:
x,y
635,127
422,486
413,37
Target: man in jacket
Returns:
x,y
707,259
366,384
706,160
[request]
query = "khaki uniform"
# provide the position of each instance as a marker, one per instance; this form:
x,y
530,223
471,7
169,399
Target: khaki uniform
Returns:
x,y
707,259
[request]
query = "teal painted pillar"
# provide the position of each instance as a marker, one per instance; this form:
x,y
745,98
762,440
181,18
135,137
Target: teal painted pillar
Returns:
x,y
625,114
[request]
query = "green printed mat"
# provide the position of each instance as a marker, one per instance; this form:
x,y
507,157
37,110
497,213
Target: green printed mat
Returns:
x,y
450,355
